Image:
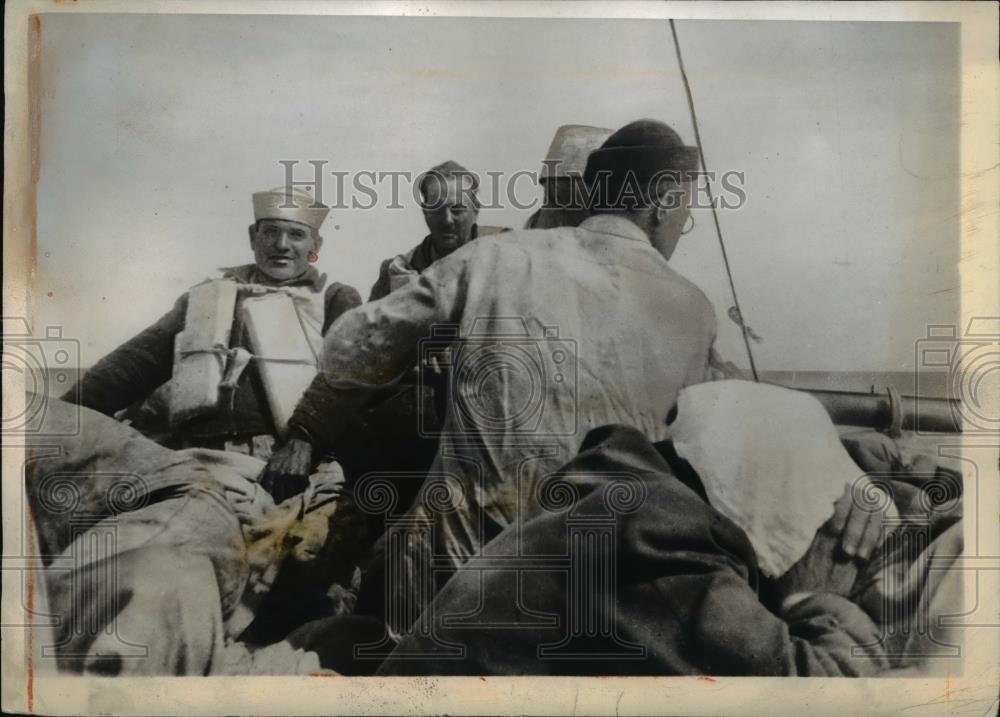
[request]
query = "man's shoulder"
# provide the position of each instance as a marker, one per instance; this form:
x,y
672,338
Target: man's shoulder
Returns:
x,y
409,260
506,238
683,289
341,297
486,230
386,265
517,244
333,287
684,284
241,274
690,303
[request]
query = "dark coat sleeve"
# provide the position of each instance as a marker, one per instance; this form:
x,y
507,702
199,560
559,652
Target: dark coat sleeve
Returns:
x,y
382,285
133,370
339,298
685,601
727,630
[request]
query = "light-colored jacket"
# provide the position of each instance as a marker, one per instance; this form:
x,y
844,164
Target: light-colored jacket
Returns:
x,y
547,334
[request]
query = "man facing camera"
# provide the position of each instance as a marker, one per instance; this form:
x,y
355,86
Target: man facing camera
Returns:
x,y
235,350
451,211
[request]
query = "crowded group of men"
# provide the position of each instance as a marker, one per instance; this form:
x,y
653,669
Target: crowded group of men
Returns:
x,y
490,369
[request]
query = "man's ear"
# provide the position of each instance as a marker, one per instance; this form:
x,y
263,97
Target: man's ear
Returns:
x,y
252,229
671,198
319,242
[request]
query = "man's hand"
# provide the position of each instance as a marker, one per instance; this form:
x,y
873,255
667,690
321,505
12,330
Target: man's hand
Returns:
x,y
860,526
287,473
851,534
823,569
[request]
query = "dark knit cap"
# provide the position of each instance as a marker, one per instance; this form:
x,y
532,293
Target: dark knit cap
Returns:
x,y
643,148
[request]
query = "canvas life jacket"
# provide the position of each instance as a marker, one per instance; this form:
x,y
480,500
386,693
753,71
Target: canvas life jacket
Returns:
x,y
284,326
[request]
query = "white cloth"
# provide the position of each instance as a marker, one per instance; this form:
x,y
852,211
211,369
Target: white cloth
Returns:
x,y
770,459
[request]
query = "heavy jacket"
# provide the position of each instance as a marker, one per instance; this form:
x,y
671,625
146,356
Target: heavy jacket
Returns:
x,y
138,367
675,591
552,217
396,270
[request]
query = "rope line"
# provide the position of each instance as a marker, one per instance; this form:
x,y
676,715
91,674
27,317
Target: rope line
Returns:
x,y
715,214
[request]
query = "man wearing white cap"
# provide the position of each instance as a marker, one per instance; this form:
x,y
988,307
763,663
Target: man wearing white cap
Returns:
x,y
221,390
562,176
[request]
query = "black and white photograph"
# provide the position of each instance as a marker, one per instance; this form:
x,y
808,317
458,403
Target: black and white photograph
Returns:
x,y
463,346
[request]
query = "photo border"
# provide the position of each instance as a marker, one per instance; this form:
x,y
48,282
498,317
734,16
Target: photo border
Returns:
x,y
973,691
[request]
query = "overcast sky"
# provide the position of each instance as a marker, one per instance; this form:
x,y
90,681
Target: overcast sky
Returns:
x,y
157,129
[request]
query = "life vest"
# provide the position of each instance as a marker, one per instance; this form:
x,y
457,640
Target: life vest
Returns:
x,y
284,326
